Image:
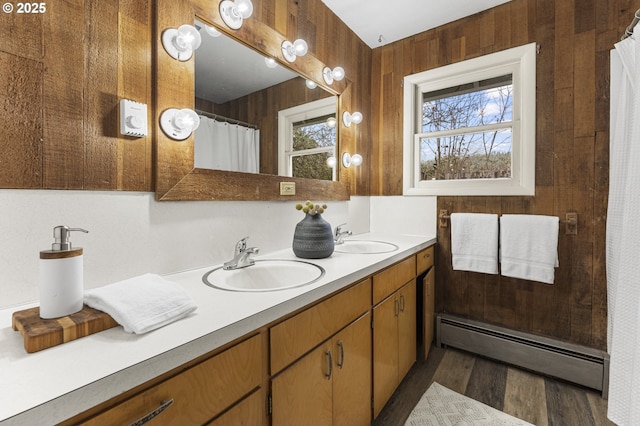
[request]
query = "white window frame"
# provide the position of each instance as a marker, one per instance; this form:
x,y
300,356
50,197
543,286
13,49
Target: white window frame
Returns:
x,y
520,62
287,118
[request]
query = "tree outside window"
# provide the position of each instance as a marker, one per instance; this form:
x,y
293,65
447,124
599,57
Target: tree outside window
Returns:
x,y
466,131
313,142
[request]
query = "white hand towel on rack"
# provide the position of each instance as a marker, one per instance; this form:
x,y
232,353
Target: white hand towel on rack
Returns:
x,y
141,304
529,246
474,242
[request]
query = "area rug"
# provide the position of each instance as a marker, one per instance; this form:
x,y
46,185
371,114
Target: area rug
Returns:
x,y
440,406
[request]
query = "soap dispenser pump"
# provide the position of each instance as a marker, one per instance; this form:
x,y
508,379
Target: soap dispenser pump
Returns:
x,y
61,276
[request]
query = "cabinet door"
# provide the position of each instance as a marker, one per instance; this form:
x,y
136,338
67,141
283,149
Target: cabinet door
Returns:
x,y
428,286
352,374
406,329
248,412
302,393
385,351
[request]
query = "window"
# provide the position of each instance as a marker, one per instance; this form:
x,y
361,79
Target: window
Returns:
x,y
470,127
306,138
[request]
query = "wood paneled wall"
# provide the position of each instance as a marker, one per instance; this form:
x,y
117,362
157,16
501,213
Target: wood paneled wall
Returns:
x,y
62,74
572,152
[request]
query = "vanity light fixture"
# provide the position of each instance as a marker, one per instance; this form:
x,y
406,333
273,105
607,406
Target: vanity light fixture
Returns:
x,y
180,43
290,51
178,124
311,84
348,118
233,12
270,62
330,75
348,159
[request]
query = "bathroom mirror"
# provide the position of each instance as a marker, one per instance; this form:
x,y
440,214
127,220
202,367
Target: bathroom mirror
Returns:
x,y
177,178
239,95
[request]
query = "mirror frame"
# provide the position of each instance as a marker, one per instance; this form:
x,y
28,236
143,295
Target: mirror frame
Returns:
x,y
176,177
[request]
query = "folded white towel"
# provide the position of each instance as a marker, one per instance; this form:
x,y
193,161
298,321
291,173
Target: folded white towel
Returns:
x,y
474,242
529,246
142,303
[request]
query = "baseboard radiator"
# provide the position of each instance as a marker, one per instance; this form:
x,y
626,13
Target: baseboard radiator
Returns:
x,y
573,363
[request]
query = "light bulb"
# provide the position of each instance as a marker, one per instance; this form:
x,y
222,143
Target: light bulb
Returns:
x,y
292,50
348,118
244,8
330,75
331,162
338,73
348,160
188,38
180,43
270,62
212,31
311,84
331,122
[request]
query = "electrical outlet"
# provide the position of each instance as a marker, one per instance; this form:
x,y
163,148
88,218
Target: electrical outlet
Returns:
x,y
287,188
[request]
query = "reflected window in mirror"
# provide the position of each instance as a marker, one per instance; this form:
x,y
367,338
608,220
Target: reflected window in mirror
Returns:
x,y
307,137
241,95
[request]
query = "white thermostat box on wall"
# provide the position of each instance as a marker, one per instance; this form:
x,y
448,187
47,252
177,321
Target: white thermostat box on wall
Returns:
x,y
133,118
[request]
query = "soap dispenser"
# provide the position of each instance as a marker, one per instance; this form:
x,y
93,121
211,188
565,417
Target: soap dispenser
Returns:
x,y
61,276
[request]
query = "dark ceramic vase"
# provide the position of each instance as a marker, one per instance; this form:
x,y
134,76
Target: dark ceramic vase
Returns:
x,y
313,238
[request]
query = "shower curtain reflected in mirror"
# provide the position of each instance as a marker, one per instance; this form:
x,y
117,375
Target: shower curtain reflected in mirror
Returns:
x,y
224,146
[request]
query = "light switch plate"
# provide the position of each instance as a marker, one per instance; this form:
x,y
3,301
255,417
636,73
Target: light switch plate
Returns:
x,y
133,118
287,188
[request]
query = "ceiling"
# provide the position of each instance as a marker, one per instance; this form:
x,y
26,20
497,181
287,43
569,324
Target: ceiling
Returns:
x,y
378,22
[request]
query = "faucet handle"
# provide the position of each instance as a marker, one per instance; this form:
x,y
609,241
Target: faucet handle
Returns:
x,y
241,245
339,229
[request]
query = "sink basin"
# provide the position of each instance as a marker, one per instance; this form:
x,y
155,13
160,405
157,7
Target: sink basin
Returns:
x,y
265,275
365,247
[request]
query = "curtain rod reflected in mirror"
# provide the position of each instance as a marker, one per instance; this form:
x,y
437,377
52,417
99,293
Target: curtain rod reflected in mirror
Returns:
x,y
236,82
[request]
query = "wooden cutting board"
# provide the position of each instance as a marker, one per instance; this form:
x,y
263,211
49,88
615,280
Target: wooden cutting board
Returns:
x,y
41,333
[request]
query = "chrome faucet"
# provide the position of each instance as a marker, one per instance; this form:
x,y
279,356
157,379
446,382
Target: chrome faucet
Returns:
x,y
241,258
338,236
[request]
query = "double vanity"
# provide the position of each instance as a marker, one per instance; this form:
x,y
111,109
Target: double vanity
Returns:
x,y
340,335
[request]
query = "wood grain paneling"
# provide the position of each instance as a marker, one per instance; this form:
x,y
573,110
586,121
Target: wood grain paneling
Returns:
x,y
572,128
75,62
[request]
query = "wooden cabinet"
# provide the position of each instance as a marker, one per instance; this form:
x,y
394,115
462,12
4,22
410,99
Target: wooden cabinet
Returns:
x,y
394,342
428,304
426,294
248,412
290,339
329,386
198,394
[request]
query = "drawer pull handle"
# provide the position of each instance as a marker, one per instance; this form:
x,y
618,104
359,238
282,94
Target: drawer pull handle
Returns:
x,y
402,303
330,362
153,414
341,347
428,255
397,306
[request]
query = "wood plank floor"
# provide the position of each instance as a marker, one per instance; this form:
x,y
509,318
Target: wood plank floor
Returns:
x,y
540,400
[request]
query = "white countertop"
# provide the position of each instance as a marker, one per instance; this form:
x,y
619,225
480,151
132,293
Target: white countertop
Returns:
x,y
55,384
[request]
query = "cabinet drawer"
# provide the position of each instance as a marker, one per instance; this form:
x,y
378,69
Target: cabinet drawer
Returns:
x,y
199,393
292,338
424,259
392,278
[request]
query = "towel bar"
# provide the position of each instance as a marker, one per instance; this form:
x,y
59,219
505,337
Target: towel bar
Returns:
x,y
570,221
